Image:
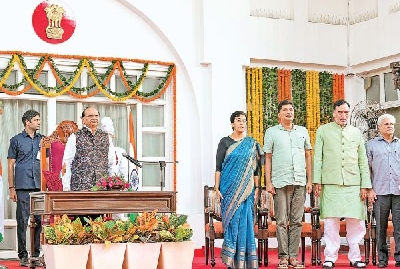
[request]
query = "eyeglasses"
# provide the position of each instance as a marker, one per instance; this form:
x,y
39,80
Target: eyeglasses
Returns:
x,y
241,120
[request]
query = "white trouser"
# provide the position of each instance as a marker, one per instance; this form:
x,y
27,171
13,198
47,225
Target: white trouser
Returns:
x,y
355,229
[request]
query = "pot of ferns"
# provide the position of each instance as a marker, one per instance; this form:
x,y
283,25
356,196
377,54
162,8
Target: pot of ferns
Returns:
x,y
142,249
177,251
107,249
66,244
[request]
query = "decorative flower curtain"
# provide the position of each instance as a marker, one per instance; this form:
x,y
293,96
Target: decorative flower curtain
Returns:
x,y
313,94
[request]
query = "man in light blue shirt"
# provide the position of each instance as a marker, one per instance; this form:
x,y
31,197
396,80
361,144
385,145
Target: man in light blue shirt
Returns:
x,y
287,150
384,161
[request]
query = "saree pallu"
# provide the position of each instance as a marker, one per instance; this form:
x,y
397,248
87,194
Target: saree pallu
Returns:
x,y
237,205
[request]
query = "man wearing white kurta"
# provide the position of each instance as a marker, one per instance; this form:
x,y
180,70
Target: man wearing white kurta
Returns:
x,y
120,163
341,177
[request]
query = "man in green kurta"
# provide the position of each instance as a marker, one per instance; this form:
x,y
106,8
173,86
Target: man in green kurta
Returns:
x,y
341,177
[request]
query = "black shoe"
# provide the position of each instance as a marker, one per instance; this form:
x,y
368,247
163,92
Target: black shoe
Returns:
x,y
397,264
382,264
358,264
24,262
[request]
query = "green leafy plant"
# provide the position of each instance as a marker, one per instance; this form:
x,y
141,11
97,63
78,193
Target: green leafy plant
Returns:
x,y
107,231
174,228
147,224
66,232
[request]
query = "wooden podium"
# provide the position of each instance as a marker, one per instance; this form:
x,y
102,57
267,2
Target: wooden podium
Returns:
x,y
48,203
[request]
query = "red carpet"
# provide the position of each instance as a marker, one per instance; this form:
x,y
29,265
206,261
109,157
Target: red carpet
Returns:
x,y
199,261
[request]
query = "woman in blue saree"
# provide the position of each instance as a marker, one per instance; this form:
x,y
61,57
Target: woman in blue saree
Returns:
x,y
237,185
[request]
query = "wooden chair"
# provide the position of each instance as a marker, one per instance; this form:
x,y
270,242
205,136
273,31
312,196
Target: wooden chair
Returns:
x,y
214,230
264,229
212,220
268,226
52,152
318,231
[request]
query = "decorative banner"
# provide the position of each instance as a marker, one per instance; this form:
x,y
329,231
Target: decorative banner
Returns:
x,y
53,22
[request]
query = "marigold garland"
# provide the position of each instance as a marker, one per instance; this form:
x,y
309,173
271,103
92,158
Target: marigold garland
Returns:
x,y
248,97
254,100
67,85
338,87
284,85
313,103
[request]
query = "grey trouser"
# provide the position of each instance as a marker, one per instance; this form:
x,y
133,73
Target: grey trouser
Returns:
x,y
382,207
289,209
23,214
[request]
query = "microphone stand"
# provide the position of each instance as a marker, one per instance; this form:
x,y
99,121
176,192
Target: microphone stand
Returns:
x,y
162,164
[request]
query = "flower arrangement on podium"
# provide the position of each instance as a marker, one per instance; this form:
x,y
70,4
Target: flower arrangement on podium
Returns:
x,y
116,182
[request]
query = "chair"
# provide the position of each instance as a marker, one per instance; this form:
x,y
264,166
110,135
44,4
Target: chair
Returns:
x,y
389,233
53,147
318,231
212,220
268,226
214,229
264,228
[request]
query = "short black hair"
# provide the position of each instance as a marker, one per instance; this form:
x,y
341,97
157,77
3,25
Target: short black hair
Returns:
x,y
237,114
29,115
339,103
84,111
284,103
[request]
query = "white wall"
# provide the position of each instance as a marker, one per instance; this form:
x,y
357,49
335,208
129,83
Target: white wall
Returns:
x,y
212,42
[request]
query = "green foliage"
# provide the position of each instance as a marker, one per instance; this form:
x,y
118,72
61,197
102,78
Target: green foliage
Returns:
x,y
326,97
299,97
270,96
174,228
107,231
66,232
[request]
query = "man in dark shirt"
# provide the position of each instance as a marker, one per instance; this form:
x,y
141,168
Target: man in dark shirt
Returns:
x,y
24,178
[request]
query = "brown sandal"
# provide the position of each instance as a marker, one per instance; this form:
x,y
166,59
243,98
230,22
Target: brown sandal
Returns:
x,y
294,263
283,263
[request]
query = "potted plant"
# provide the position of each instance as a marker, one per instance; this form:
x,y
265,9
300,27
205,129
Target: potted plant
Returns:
x,y
67,243
174,233
115,182
107,249
142,245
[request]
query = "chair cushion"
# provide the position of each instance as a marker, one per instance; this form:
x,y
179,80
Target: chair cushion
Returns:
x,y
306,229
217,227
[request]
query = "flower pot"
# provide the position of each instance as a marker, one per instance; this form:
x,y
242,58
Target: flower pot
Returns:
x,y
102,257
141,255
65,256
176,255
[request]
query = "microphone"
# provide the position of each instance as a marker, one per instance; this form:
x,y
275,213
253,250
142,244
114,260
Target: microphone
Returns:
x,y
132,160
